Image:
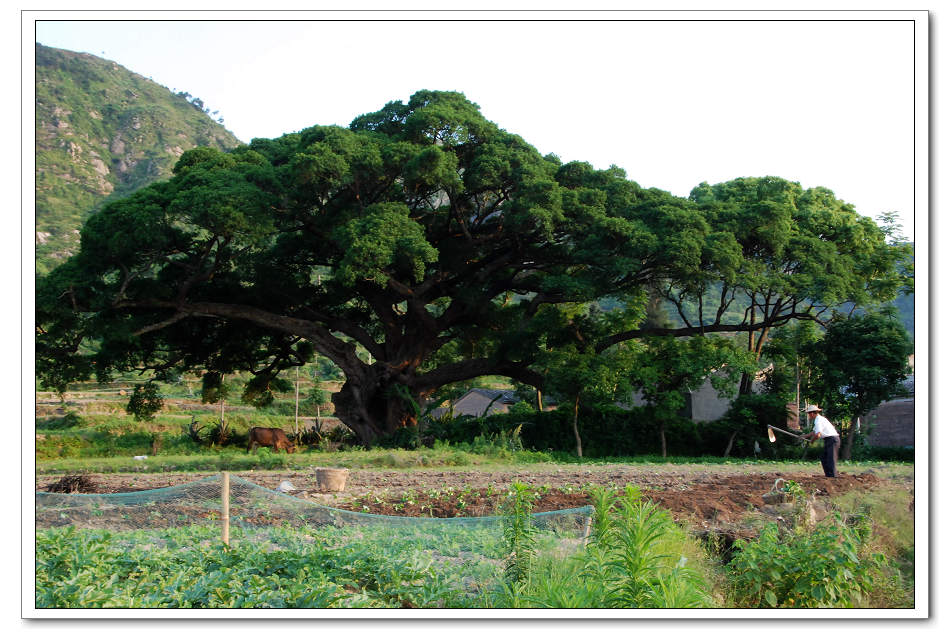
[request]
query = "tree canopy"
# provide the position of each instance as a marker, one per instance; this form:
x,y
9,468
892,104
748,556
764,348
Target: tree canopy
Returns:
x,y
860,362
438,243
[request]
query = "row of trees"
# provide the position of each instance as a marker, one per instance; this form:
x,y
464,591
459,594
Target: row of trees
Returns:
x,y
424,246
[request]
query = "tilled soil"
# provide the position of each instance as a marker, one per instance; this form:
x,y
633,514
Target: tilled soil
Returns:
x,y
719,499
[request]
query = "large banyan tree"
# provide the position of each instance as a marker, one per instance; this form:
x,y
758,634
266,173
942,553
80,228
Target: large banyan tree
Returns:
x,y
421,246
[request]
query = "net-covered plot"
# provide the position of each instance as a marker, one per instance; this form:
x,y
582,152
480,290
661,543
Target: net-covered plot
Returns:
x,y
163,548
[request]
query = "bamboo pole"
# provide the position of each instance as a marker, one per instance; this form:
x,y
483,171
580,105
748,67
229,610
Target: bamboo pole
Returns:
x,y
226,508
587,522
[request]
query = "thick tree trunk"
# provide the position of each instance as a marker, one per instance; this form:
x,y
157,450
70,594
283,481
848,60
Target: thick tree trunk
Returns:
x,y
369,406
377,400
577,434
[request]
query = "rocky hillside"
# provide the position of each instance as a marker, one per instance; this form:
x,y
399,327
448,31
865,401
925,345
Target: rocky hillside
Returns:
x,y
103,131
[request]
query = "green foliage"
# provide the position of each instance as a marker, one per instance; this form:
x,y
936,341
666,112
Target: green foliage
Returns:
x,y
68,421
214,388
637,557
860,362
748,416
145,401
785,352
667,367
608,431
423,246
886,516
261,390
401,392
785,232
821,569
519,533
97,569
384,240
627,553
406,437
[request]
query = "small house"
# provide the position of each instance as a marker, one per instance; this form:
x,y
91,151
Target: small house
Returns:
x,y
892,422
478,402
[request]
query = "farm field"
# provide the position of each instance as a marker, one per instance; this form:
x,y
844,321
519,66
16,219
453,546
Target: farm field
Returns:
x,y
455,548
704,495
458,543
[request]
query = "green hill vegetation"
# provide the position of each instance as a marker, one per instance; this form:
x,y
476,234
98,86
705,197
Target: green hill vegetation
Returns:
x,y
102,132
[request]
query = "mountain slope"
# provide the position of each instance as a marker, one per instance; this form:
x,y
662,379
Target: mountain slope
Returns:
x,y
102,132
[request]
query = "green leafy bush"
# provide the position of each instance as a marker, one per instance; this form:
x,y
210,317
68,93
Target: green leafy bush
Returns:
x,y
146,401
820,569
66,422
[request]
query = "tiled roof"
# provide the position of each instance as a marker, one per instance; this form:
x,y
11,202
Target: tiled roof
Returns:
x,y
504,396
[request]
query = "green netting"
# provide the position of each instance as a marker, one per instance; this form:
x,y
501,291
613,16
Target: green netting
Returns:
x,y
251,506
191,514
193,503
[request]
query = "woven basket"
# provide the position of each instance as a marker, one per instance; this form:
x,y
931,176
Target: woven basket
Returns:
x,y
776,498
330,480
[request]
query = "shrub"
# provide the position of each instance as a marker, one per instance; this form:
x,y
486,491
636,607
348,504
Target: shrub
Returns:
x,y
883,453
67,421
606,430
824,568
60,447
145,402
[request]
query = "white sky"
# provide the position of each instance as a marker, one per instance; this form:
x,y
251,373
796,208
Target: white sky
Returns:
x,y
674,103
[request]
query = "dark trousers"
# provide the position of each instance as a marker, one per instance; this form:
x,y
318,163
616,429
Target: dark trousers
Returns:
x,y
829,456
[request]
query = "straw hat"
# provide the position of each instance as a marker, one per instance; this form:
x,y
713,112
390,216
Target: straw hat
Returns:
x,y
811,408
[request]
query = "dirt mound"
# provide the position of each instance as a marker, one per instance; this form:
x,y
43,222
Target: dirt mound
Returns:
x,y
73,484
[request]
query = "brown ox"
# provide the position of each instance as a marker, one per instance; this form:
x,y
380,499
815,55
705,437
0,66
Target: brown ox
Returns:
x,y
275,437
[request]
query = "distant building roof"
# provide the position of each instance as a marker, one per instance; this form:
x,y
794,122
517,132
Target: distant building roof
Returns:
x,y
477,400
504,396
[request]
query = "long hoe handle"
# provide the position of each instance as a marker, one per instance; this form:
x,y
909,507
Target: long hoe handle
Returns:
x,y
786,432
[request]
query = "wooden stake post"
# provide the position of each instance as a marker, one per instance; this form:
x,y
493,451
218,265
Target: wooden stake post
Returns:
x,y
226,508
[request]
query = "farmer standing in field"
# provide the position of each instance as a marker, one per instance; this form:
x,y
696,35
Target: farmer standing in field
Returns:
x,y
824,429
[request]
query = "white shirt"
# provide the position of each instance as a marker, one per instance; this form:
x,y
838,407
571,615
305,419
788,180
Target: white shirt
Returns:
x,y
823,427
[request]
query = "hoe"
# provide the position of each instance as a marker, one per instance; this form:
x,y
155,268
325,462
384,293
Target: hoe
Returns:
x,y
772,434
